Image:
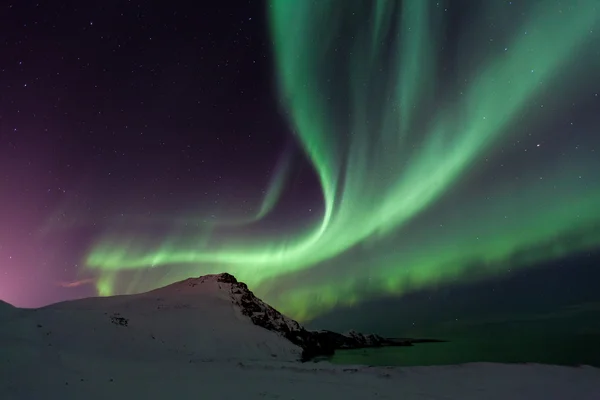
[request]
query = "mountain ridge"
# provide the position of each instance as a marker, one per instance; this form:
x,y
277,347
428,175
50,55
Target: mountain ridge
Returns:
x,y
204,301
313,343
197,338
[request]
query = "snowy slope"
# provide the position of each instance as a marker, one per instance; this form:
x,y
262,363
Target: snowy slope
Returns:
x,y
313,343
6,310
199,338
193,319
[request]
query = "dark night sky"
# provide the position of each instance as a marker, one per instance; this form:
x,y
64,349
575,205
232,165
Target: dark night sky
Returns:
x,y
166,106
133,129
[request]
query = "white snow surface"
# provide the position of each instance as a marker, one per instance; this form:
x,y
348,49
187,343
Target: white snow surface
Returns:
x,y
5,309
190,340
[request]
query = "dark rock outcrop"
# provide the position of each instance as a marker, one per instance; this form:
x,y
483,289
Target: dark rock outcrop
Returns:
x,y
313,343
355,340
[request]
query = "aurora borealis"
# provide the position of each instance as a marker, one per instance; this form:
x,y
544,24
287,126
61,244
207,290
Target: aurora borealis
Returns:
x,y
444,143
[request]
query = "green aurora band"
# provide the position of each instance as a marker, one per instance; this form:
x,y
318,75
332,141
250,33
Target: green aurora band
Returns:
x,y
398,149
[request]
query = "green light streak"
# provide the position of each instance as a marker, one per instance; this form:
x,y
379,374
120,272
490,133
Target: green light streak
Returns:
x,y
389,142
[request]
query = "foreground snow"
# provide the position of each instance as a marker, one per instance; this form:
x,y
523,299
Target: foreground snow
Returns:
x,y
72,377
191,340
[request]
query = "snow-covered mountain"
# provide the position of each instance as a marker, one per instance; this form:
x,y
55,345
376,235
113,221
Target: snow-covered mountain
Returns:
x,y
313,343
5,307
195,318
211,338
213,317
6,310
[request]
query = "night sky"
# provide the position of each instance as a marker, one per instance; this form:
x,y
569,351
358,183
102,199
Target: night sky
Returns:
x,y
350,160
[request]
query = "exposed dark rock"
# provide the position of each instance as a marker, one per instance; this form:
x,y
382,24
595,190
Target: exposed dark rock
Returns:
x,y
355,340
118,320
227,278
313,343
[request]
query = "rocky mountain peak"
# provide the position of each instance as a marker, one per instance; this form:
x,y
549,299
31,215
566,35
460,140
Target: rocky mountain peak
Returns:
x,y
313,343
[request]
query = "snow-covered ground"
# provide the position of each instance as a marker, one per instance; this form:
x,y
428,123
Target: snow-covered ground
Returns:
x,y
191,341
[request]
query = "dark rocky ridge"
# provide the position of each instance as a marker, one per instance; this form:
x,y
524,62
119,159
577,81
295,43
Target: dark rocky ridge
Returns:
x,y
313,343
